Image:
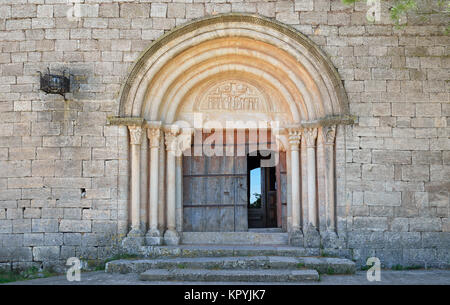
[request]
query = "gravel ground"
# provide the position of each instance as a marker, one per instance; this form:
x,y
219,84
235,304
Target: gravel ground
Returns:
x,y
388,277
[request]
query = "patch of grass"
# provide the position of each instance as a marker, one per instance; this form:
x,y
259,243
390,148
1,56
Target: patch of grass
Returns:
x,y
300,265
216,267
399,267
181,266
325,254
348,271
101,265
27,274
330,271
121,256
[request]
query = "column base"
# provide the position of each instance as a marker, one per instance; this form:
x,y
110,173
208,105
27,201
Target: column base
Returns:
x,y
296,238
330,239
153,237
133,242
171,238
312,237
135,233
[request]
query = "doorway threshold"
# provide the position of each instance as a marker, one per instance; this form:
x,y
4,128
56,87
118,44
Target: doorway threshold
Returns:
x,y
235,238
266,230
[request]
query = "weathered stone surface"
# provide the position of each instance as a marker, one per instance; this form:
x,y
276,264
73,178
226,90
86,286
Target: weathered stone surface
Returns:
x,y
68,225
47,253
234,238
229,275
322,265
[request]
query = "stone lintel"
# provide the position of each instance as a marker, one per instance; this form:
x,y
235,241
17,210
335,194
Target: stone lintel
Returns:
x,y
153,124
126,121
328,121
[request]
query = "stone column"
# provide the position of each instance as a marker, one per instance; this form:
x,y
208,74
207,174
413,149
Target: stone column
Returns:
x,y
171,236
329,134
310,135
143,169
179,193
135,142
153,236
294,141
162,185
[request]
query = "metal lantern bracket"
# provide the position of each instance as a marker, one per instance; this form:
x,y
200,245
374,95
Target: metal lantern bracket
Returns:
x,y
55,84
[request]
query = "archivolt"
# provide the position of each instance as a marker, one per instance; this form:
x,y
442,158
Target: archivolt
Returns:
x,y
255,48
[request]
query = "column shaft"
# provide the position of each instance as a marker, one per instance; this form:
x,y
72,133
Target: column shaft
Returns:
x,y
153,133
171,194
154,187
294,140
311,135
171,236
329,134
135,141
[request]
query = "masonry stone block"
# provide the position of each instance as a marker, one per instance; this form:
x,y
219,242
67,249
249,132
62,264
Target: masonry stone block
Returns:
x,y
370,223
382,198
134,10
44,225
377,172
391,157
33,239
70,225
425,224
46,253
53,239
17,253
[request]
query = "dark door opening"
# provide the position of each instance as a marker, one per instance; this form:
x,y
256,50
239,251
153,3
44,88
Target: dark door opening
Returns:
x,y
261,193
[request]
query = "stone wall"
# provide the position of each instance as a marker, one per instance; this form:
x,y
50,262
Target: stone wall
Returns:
x,y
64,170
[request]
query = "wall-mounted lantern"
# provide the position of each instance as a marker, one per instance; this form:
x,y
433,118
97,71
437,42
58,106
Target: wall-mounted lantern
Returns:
x,y
55,84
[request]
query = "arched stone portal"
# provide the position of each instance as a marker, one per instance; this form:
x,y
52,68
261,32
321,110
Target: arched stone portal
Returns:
x,y
231,72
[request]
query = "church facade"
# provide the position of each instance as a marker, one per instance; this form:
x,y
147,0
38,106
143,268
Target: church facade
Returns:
x,y
223,122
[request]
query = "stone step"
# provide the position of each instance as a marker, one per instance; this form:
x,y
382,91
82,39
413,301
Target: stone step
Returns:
x,y
225,250
254,237
320,264
203,275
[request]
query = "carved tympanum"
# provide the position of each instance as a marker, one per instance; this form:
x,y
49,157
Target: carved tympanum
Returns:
x,y
232,96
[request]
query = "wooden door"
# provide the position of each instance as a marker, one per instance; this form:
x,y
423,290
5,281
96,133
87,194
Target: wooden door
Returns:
x,y
270,190
263,213
215,193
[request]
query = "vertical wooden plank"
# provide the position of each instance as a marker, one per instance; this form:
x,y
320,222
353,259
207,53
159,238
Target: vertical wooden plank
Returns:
x,y
197,189
228,165
213,193
187,191
198,165
240,217
227,213
187,165
214,164
278,183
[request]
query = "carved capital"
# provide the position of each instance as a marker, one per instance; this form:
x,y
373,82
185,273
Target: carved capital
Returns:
x,y
294,138
153,135
328,134
310,135
135,134
171,137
